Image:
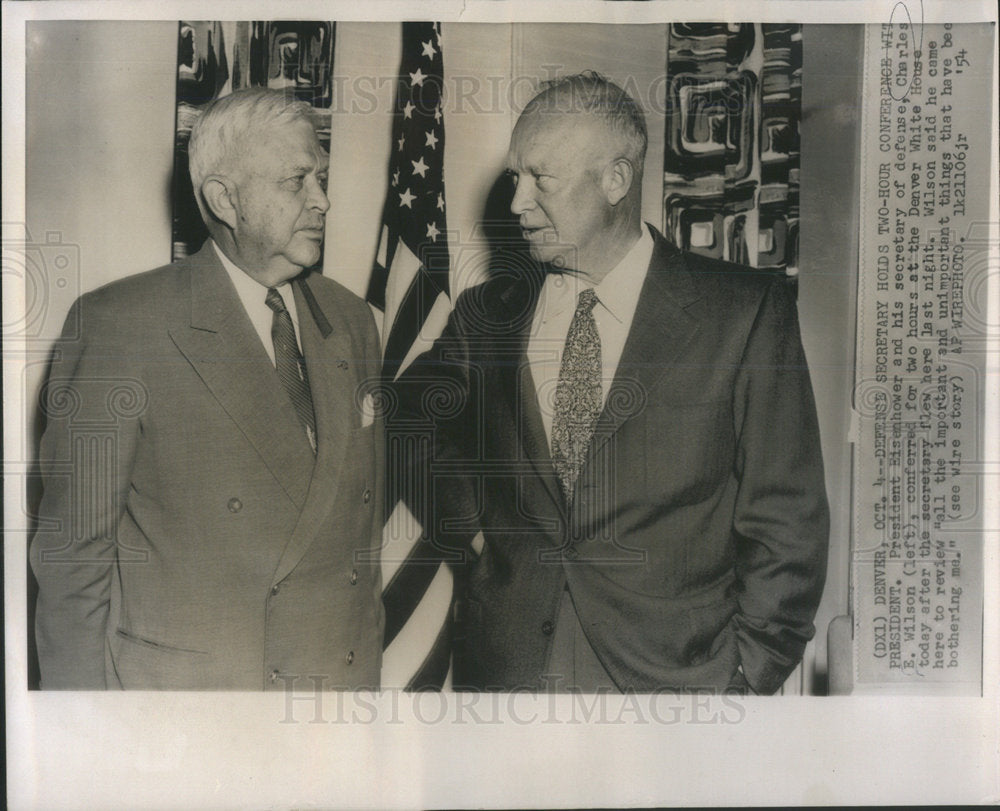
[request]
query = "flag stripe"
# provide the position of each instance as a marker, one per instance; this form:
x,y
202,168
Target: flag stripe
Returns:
x,y
376,286
410,649
412,313
409,585
434,670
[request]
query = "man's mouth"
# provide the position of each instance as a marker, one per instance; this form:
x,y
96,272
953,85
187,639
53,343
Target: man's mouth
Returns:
x,y
533,233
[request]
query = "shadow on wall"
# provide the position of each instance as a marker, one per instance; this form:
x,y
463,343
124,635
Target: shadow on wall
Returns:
x,y
508,250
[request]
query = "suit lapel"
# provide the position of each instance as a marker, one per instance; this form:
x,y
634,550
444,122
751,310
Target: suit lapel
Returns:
x,y
520,301
662,327
225,350
329,355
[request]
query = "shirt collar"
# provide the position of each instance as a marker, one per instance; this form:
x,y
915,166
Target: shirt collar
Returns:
x,y
618,292
251,292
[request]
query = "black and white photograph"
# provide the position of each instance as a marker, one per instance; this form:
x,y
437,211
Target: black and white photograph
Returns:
x,y
495,405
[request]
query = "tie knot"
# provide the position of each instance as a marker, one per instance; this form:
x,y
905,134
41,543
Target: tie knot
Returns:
x,y
275,301
587,300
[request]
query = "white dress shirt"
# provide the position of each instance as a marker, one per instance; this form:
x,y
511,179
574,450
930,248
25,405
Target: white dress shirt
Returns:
x,y
617,297
253,294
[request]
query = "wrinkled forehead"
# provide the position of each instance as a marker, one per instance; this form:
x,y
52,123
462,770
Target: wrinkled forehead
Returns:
x,y
547,133
286,143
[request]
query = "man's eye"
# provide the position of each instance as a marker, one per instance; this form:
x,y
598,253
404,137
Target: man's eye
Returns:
x,y
512,177
295,182
323,180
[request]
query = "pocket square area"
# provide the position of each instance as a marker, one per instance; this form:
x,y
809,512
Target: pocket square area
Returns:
x,y
367,411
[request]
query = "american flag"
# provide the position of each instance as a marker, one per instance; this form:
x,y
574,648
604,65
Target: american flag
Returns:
x,y
409,283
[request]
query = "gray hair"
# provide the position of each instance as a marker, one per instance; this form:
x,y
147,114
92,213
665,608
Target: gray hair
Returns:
x,y
226,127
593,93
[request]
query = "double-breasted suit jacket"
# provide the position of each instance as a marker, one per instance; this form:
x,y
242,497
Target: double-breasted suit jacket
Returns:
x,y
188,537
695,545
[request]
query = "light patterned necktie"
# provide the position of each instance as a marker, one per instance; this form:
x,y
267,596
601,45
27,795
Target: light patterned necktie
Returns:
x,y
578,394
290,364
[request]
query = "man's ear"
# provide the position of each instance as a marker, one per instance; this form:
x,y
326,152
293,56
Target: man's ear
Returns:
x,y
617,180
222,199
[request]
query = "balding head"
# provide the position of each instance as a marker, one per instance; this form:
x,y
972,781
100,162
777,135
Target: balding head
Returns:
x,y
589,93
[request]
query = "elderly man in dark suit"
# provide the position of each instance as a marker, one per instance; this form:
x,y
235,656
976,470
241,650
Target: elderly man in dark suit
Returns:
x,y
212,470
633,432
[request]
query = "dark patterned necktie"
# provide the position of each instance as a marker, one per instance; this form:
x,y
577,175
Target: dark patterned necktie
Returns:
x,y
290,364
578,394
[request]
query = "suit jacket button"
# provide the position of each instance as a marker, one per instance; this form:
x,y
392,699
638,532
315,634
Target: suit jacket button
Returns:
x,y
366,496
350,656
547,627
235,505
275,589
354,577
273,675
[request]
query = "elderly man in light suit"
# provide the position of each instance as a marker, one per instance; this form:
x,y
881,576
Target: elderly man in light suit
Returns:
x,y
633,432
210,516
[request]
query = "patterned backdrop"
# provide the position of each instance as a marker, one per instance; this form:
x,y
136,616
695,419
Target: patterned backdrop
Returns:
x,y
731,163
216,58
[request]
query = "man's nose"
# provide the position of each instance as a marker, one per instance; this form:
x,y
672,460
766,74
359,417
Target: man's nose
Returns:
x,y
523,198
317,197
